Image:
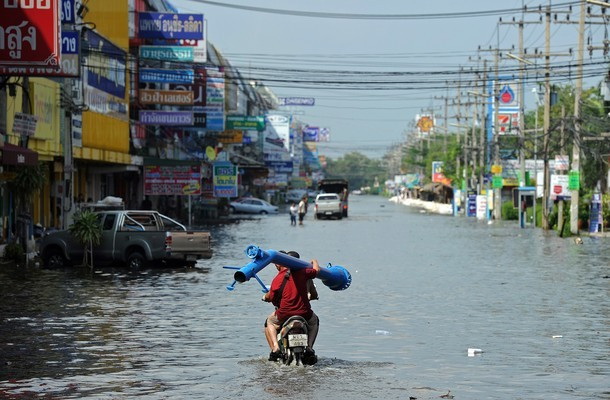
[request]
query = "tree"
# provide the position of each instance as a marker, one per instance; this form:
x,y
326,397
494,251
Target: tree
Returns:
x,y
28,181
359,170
88,231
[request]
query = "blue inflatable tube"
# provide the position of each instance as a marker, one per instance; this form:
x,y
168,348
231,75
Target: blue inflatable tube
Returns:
x,y
335,276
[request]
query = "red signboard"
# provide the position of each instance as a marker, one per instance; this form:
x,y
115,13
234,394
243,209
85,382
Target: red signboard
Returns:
x,y
171,180
29,32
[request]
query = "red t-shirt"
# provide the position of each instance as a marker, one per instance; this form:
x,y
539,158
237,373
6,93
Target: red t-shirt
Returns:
x,y
294,297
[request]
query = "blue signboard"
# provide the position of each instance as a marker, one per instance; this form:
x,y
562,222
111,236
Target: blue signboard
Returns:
x,y
471,205
105,65
310,134
69,42
280,166
170,26
66,8
153,75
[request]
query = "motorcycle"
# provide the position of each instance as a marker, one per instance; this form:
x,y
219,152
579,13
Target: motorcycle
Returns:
x,y
292,339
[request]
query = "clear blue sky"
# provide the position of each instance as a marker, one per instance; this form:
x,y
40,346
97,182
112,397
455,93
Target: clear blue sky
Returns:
x,y
369,118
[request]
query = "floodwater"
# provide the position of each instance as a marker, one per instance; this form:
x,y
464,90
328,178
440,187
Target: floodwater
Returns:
x,y
425,289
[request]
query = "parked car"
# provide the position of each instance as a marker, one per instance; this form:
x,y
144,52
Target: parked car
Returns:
x,y
252,205
136,238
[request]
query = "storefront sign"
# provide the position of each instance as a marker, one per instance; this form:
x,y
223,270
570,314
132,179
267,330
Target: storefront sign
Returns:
x,y
246,123
225,179
172,180
66,9
105,65
168,53
166,117
170,26
280,166
24,124
297,101
310,134
151,75
69,64
29,33
174,97
215,99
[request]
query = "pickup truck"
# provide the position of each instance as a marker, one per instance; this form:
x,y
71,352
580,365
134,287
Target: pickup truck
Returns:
x,y
134,238
328,205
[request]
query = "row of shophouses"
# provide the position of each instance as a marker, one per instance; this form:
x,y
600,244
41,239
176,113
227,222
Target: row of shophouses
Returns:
x,y
143,105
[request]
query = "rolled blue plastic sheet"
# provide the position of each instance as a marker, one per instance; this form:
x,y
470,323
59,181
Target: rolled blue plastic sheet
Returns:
x,y
333,276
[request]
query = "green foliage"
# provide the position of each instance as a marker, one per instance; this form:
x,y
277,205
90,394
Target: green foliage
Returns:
x,y
14,252
509,212
359,170
86,228
28,181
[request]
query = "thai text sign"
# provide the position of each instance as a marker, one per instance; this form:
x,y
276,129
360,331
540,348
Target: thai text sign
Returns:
x,y
172,180
170,26
66,9
168,53
24,124
68,66
152,75
224,179
242,122
574,180
297,101
105,65
166,117
29,32
175,97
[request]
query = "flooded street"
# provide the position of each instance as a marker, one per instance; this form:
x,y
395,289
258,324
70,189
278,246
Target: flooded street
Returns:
x,y
425,289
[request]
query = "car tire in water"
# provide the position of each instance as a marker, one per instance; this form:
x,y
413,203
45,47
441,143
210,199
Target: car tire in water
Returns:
x,y
232,210
136,260
54,258
263,212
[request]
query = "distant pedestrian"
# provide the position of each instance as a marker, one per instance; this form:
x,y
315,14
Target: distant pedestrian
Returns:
x,y
294,211
302,209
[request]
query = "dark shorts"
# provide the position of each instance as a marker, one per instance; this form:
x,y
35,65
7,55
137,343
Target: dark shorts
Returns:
x,y
301,216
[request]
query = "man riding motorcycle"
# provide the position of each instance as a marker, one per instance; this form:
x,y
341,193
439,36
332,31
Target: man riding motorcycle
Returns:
x,y
290,296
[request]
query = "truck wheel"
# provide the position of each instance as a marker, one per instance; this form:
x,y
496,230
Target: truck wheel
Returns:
x,y
136,260
54,259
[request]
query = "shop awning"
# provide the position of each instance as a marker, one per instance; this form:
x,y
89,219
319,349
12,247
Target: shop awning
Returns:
x,y
16,155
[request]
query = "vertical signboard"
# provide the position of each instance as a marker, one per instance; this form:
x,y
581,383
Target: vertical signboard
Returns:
x,y
29,32
215,100
224,179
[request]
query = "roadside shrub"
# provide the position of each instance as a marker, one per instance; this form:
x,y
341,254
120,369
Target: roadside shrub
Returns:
x,y
509,212
14,252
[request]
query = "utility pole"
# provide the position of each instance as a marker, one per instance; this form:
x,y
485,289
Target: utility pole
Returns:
x,y
577,96
520,24
547,118
497,192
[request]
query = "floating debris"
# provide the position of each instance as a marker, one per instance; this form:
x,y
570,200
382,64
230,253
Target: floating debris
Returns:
x,y
472,352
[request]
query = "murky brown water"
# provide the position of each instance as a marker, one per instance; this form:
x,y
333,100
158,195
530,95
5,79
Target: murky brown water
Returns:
x,y
425,289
